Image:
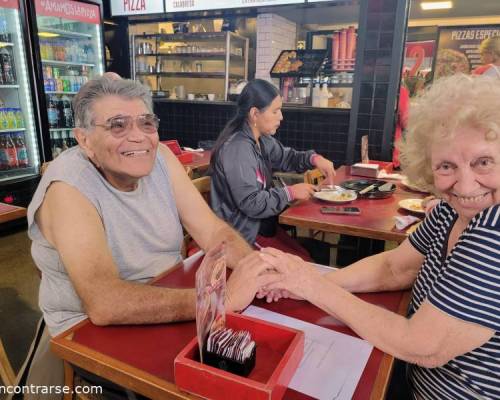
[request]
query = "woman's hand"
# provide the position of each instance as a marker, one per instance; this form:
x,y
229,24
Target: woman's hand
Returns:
x,y
275,295
251,274
297,276
302,191
326,168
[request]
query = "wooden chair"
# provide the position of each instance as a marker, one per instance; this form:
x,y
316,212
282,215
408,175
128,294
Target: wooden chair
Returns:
x,y
6,372
189,171
203,186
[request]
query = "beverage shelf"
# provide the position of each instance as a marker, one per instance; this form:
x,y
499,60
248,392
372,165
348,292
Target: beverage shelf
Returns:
x,y
9,86
6,44
63,32
12,130
59,92
56,62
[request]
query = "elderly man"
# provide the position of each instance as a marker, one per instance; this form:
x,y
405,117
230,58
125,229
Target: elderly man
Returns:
x,y
107,216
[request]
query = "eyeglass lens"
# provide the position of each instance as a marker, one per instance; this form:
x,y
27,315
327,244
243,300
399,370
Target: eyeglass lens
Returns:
x,y
147,123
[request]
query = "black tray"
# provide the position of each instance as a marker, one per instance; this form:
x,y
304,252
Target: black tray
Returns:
x,y
359,184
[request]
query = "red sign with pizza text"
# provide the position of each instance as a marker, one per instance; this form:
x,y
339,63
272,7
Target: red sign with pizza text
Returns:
x,y
9,4
68,9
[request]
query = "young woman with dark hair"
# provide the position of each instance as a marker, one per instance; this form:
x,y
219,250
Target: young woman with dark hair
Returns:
x,y
244,158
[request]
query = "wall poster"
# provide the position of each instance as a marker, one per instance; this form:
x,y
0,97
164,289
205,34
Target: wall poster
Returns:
x,y
458,48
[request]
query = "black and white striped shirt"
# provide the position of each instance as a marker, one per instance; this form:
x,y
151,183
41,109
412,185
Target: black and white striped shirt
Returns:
x,y
466,285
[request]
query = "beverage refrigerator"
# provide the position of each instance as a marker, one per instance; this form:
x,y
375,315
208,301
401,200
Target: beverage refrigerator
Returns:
x,y
48,50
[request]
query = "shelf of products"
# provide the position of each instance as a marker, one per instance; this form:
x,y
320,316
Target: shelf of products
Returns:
x,y
190,65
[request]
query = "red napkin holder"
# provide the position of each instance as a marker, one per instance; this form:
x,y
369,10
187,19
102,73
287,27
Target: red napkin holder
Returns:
x,y
183,156
279,352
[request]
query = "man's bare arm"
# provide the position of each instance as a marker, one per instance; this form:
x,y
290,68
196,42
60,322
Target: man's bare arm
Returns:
x,y
72,225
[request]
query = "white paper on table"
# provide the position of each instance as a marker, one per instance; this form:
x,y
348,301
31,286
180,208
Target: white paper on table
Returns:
x,y
332,363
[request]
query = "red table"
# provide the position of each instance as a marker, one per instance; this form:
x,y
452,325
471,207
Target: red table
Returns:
x,y
201,161
376,220
9,212
141,358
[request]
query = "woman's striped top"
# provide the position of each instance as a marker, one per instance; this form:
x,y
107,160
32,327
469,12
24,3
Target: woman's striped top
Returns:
x,y
466,285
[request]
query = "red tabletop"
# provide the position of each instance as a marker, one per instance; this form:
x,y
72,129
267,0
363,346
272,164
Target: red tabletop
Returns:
x,y
201,160
376,220
141,358
9,212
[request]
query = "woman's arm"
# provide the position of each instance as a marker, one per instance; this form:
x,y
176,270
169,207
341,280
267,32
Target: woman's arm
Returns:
x,y
430,338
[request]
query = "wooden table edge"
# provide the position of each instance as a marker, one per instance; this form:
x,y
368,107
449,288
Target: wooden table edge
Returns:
x,y
20,212
381,383
115,371
342,229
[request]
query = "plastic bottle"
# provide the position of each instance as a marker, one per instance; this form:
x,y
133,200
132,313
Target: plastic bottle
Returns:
x,y
53,112
4,160
11,118
4,124
316,95
8,68
67,112
323,96
11,152
22,152
19,118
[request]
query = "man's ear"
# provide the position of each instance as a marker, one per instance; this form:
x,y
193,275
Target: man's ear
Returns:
x,y
83,139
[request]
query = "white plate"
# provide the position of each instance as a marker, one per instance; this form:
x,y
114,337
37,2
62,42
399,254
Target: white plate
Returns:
x,y
413,205
411,186
332,196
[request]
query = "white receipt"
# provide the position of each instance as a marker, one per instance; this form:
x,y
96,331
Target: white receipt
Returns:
x,y
333,362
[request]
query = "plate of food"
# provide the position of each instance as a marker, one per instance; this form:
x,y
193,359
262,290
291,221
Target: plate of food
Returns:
x,y
412,205
336,196
410,185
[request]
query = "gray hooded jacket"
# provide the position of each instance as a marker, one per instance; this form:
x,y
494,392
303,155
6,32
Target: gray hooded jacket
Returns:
x,y
241,191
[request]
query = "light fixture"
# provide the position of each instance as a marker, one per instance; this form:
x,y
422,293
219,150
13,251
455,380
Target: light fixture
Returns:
x,y
48,34
436,5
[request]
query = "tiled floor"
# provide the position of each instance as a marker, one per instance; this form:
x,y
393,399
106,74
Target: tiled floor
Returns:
x,y
19,283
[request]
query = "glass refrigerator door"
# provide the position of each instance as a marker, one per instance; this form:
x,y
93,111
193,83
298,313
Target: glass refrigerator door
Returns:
x,y
70,40
19,154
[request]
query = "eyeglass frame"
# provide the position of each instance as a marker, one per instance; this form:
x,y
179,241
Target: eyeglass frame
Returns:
x,y
130,119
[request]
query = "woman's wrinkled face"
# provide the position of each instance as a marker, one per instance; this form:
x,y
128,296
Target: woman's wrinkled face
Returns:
x,y
268,121
466,171
123,160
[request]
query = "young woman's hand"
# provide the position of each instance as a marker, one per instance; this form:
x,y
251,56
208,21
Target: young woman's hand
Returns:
x,y
302,191
326,168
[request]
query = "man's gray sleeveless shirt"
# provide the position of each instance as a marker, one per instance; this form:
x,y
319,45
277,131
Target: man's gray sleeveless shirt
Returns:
x,y
142,229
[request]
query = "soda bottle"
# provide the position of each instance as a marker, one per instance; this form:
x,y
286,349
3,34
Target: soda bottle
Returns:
x,y
8,68
53,112
4,159
11,152
67,112
19,118
4,124
11,118
22,152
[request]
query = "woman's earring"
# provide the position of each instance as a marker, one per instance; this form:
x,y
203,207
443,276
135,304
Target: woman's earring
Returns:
x,y
255,124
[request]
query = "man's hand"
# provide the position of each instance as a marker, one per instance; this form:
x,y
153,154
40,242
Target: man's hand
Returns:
x,y
326,168
246,280
302,191
275,295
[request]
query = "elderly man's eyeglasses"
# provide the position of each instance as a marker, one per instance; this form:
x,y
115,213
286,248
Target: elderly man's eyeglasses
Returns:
x,y
118,126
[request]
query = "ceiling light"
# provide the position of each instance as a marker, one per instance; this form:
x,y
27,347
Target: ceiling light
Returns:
x,y
435,5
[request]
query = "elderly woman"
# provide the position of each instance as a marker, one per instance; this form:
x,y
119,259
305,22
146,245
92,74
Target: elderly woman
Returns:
x,y
106,217
451,338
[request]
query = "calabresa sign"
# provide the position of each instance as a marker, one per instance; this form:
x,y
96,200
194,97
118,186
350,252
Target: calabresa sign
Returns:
x,y
69,9
198,5
134,7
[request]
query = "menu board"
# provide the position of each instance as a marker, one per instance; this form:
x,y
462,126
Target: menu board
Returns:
x,y
200,5
298,63
136,7
458,48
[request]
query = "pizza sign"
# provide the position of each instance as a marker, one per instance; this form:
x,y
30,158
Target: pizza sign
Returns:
x,y
458,49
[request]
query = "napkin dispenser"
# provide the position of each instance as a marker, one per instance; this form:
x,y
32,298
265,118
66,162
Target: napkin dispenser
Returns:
x,y
279,352
371,169
183,156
